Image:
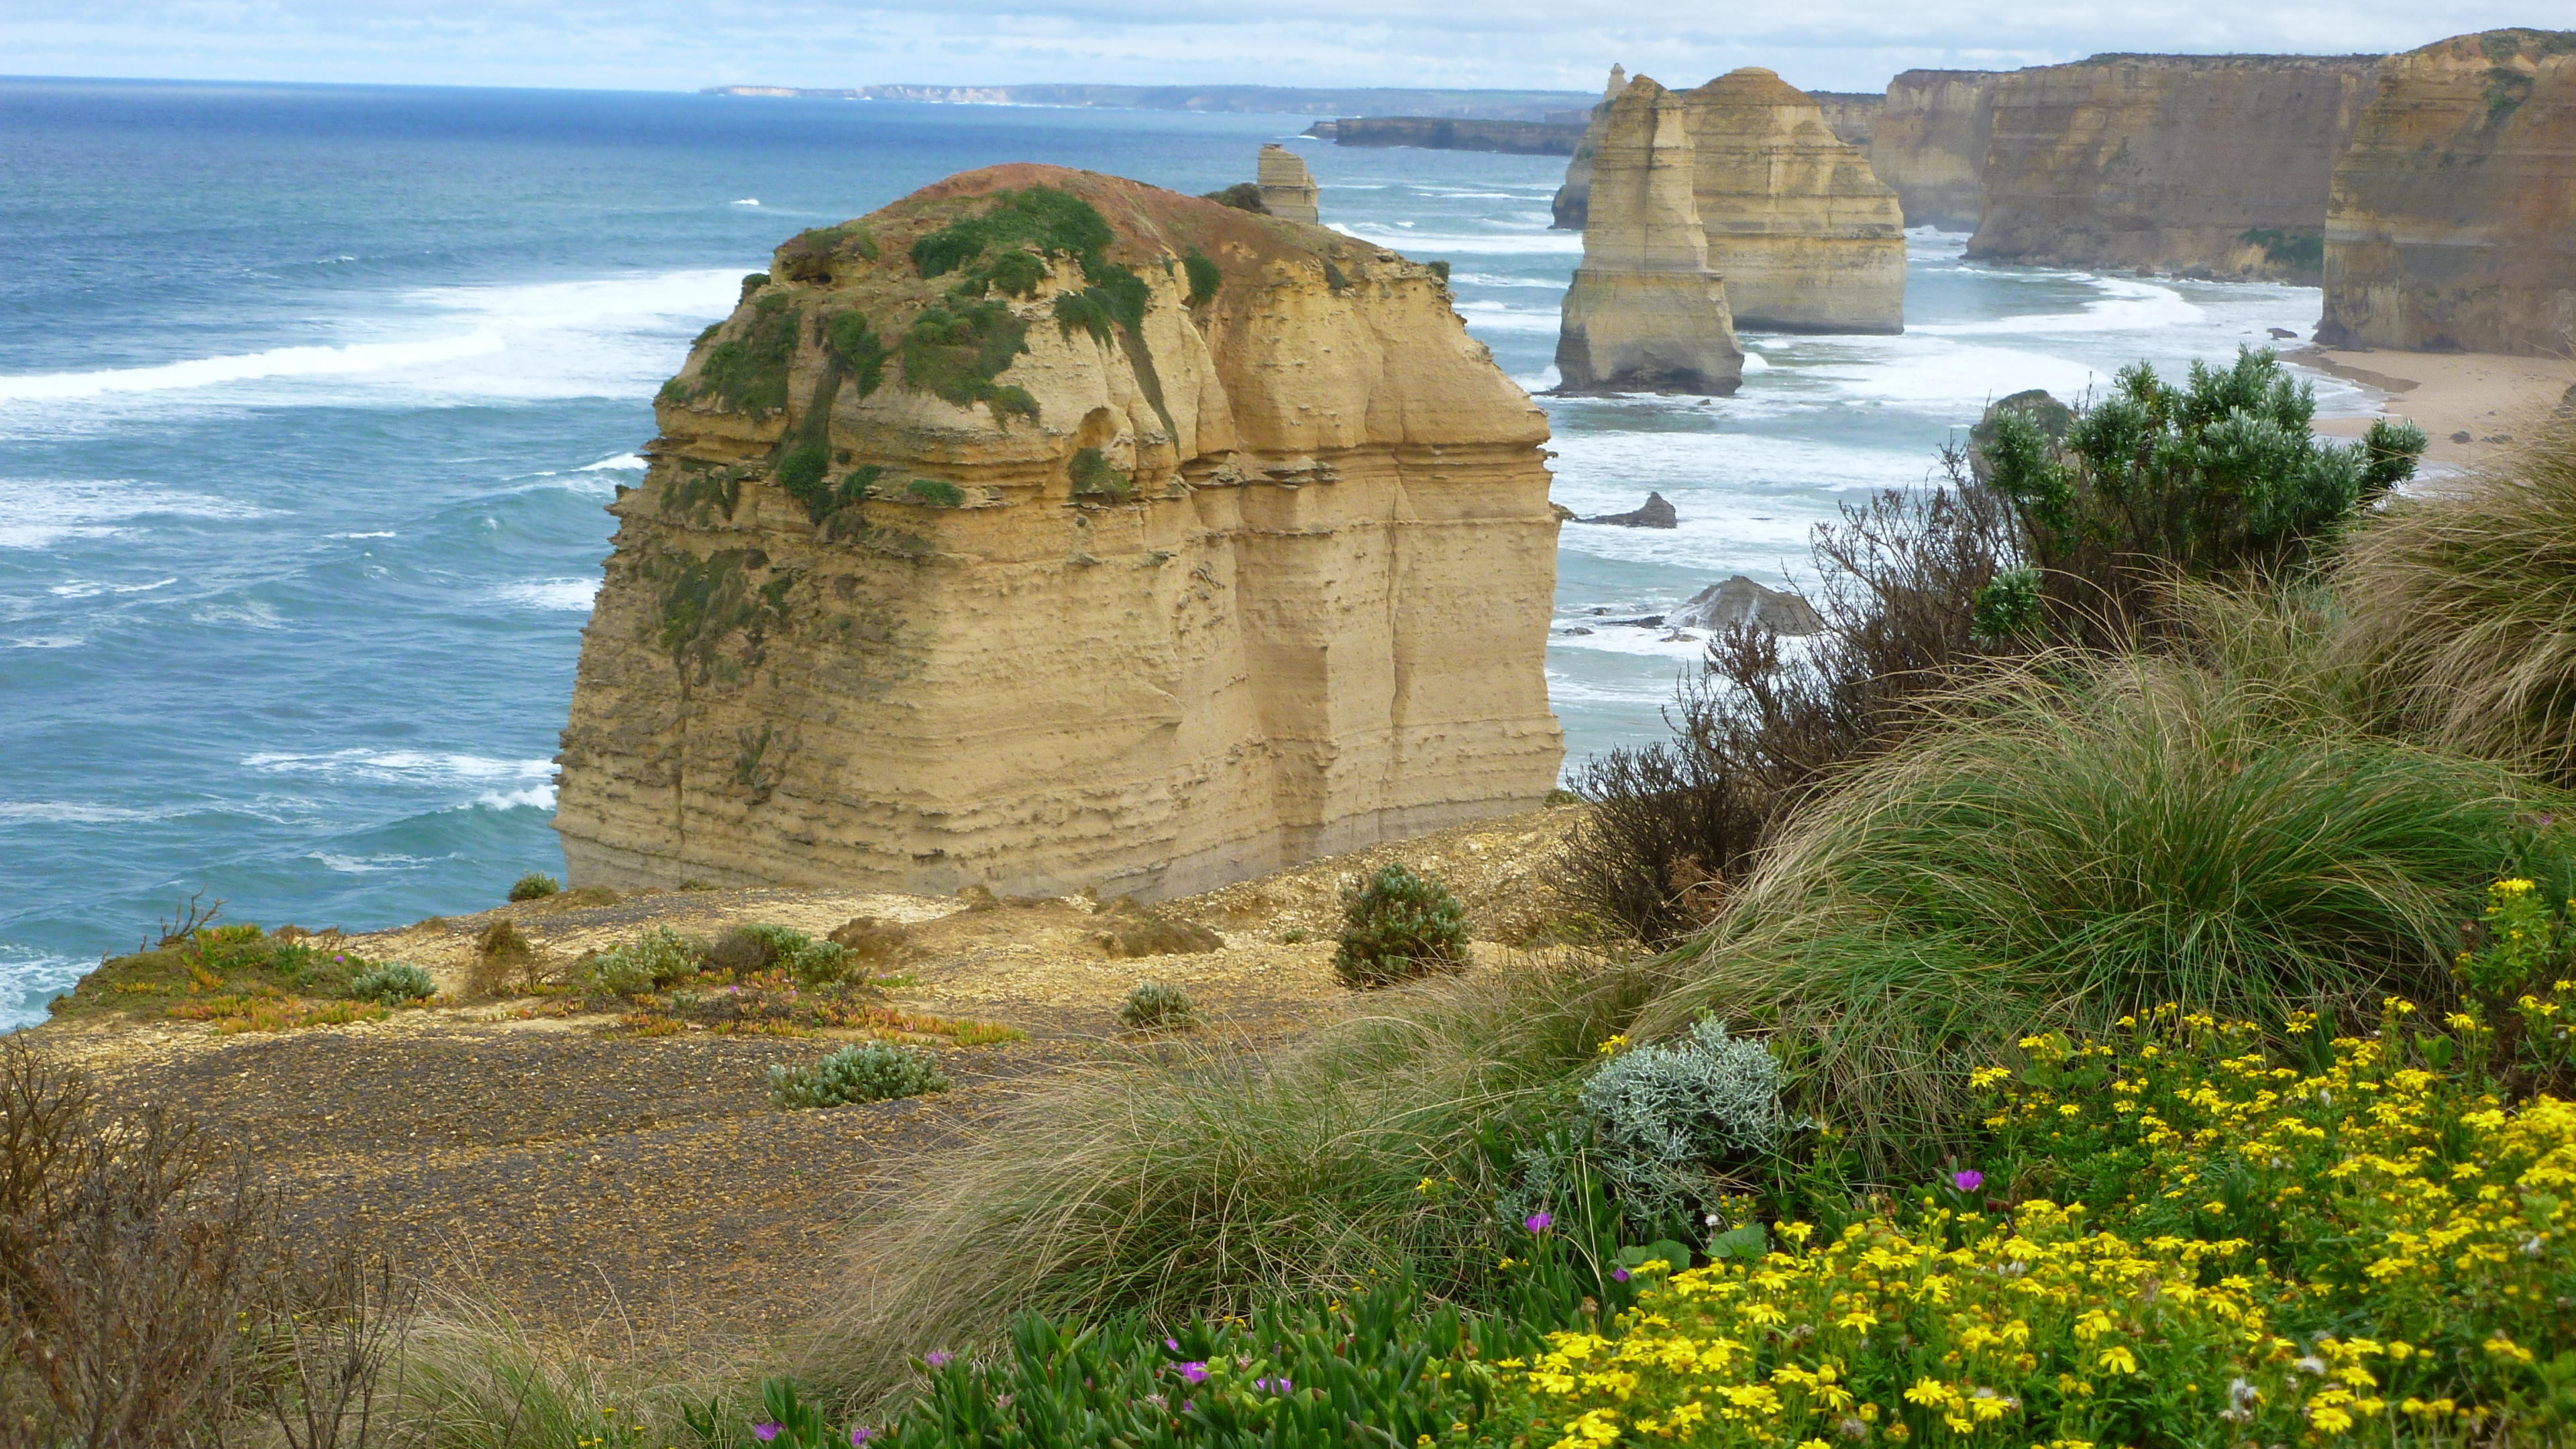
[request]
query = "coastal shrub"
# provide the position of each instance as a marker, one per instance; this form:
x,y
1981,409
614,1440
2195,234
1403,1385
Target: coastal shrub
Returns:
x,y
955,349
502,957
752,948
2300,251
1668,1120
747,371
1040,217
800,473
869,1072
1242,196
1333,277
1672,821
2219,476
751,282
534,886
658,958
1397,926
2080,839
2460,608
859,348
1094,476
1206,277
1153,1006
936,492
813,255
393,984
1205,1179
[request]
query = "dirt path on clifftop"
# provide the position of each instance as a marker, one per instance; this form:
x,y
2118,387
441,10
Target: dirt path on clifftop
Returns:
x,y
581,1173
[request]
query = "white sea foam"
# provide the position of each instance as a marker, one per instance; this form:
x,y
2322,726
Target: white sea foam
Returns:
x,y
415,766
41,512
386,533
2127,306
1503,317
1515,243
626,461
29,979
253,612
748,201
362,865
91,589
564,594
62,812
1488,279
530,797
1755,361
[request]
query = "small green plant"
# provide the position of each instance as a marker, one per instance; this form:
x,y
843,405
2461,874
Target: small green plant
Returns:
x,y
1153,1006
869,1072
748,371
800,472
954,351
1333,277
936,492
1242,196
1206,277
1439,269
1399,926
859,348
656,959
1094,476
760,947
393,984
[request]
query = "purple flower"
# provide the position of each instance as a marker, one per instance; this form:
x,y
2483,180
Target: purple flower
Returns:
x,y
859,1436
1968,1181
1173,1344
1538,1222
1273,1386
764,1432
1618,1275
937,1357
1194,1371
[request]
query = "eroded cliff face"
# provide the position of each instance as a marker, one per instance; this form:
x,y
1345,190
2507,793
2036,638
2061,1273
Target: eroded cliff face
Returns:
x,y
1929,143
1806,238
2452,224
2170,162
1045,530
1644,312
1573,203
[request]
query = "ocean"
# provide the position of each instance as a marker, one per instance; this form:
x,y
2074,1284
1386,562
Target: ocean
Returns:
x,y
310,398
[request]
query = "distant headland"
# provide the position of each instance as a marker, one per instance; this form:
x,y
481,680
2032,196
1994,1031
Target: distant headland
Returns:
x,y
1276,100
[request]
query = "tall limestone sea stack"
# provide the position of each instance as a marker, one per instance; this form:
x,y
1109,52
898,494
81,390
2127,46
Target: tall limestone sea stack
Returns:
x,y
1045,530
1807,239
1574,198
2452,224
1287,188
1644,312
2169,161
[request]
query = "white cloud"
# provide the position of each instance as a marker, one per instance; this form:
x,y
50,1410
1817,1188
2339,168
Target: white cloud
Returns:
x,y
657,44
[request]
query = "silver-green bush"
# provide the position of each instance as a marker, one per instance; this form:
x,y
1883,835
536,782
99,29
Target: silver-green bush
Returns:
x,y
1668,1118
651,961
870,1072
393,984
1154,1006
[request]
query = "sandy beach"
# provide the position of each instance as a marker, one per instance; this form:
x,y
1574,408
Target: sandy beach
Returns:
x,y
2468,403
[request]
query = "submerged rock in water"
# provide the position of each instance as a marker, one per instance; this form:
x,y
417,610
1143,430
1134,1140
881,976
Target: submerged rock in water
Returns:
x,y
1655,513
1739,600
1045,530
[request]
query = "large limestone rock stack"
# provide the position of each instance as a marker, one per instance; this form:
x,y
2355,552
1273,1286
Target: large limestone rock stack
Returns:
x,y
2170,161
1807,239
1929,143
1644,312
1047,530
1287,188
2452,223
1574,198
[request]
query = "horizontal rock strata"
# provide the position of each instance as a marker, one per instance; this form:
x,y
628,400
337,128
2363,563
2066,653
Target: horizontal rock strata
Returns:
x,y
1287,188
2169,162
1929,143
1806,237
2452,224
1573,202
1046,530
1644,312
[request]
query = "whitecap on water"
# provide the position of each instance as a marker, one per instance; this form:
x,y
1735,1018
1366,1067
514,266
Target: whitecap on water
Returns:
x,y
91,589
41,512
563,594
418,766
627,461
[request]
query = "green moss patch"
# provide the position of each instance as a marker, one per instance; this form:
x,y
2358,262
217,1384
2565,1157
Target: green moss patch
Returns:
x,y
856,343
704,600
747,372
699,492
957,349
818,255
936,492
1206,277
1095,477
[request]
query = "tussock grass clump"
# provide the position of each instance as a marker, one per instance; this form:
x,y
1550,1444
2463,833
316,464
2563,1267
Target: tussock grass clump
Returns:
x,y
2079,840
2461,607
535,886
1205,1178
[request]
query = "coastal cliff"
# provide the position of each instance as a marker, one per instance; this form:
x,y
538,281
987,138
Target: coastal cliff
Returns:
x,y
1644,312
1852,115
1045,530
1806,238
1573,202
2171,162
1929,143
2452,223
1288,189
1435,133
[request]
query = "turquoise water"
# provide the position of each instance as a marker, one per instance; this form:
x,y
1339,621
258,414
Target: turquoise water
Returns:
x,y
310,398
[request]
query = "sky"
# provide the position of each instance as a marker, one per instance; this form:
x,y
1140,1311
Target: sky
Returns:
x,y
1541,44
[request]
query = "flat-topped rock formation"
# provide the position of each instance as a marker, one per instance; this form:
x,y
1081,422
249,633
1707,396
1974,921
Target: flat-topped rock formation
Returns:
x,y
1644,312
2452,224
1929,143
1439,133
2169,161
1046,530
1851,115
1574,198
1288,189
1806,237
